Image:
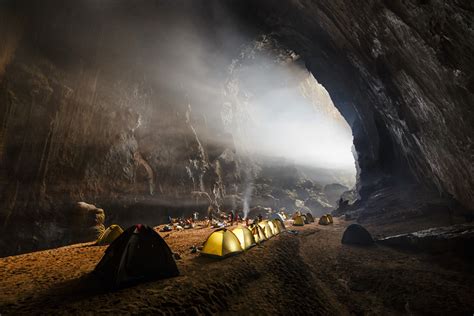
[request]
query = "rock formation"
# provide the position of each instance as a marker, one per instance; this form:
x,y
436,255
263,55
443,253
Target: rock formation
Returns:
x,y
456,239
79,107
399,72
87,223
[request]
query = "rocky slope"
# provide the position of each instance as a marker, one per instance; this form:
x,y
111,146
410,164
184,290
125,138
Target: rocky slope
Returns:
x,y
399,71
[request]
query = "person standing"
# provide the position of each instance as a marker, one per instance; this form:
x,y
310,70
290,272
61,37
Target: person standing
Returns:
x,y
210,214
231,218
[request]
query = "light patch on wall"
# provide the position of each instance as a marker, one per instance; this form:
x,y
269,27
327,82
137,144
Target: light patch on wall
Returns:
x,y
290,116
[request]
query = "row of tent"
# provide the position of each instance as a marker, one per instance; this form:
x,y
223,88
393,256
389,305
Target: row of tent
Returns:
x,y
247,237
222,243
275,226
300,220
140,253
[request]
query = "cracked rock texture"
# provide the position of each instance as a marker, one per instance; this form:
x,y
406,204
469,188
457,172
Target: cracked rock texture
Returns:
x,y
401,74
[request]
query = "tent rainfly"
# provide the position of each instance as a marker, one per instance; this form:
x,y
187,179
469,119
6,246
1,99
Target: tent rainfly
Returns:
x,y
109,235
298,221
267,229
245,237
279,226
138,254
258,233
221,243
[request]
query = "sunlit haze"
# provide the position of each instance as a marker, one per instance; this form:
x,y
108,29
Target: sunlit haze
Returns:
x,y
291,116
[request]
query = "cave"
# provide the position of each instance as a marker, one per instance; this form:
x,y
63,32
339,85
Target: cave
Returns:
x,y
152,112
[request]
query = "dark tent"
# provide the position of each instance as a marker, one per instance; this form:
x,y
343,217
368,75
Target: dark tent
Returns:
x,y
310,217
138,254
305,219
357,235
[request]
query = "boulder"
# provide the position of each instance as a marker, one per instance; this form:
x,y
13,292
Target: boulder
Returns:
x,y
88,222
357,235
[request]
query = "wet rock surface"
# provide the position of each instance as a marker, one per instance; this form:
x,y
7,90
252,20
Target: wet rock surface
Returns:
x,y
457,239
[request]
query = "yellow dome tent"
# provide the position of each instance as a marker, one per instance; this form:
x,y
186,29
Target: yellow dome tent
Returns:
x,y
245,237
276,228
331,220
275,231
267,229
324,220
109,235
221,243
258,233
298,221
279,226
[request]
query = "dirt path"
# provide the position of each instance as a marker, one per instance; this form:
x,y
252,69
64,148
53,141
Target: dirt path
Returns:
x,y
307,273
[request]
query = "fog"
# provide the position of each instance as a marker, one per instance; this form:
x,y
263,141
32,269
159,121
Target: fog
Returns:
x,y
245,85
192,66
293,123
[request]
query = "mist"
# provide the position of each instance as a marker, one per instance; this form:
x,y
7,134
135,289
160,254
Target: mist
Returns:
x,y
149,109
296,121
187,86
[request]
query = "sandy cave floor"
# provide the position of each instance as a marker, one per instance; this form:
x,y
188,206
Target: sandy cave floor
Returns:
x,y
307,273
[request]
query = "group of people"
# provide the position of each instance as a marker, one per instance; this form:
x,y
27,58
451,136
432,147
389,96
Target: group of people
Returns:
x,y
229,219
181,222
233,217
214,219
222,218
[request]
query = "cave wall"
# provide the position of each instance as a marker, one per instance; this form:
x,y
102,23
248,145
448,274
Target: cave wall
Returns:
x,y
401,73
69,139
84,119
76,108
102,103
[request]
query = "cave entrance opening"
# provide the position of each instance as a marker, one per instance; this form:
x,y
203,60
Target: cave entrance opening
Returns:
x,y
284,121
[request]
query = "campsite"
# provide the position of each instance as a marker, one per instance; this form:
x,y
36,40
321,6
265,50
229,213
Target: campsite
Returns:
x,y
309,262
237,157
